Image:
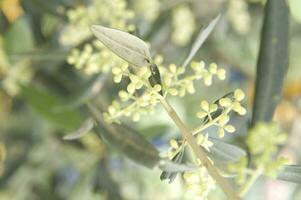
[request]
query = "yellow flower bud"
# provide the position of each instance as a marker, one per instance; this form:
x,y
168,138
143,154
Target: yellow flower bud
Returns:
x,y
229,128
116,70
201,114
221,74
157,88
131,88
173,91
117,78
208,79
239,94
224,119
205,105
220,132
112,110
213,68
242,111
173,68
174,144
225,102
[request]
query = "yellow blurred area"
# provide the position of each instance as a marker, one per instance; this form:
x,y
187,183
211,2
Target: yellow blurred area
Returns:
x,y
93,144
11,9
2,157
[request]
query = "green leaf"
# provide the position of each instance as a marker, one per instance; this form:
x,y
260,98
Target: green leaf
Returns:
x,y
201,38
126,140
272,61
291,173
225,152
46,105
19,37
127,46
87,92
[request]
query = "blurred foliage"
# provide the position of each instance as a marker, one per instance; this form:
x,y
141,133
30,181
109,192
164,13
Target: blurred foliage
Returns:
x,y
49,68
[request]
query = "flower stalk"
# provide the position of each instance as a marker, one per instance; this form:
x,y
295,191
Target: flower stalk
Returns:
x,y
199,152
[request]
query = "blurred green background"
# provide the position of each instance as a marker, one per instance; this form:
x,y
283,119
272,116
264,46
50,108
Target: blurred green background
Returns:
x,y
44,81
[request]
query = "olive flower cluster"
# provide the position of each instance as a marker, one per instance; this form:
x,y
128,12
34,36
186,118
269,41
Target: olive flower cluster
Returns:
x,y
140,97
94,57
113,13
263,141
217,113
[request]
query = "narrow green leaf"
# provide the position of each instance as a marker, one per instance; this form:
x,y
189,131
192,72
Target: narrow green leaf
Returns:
x,y
204,33
272,61
291,173
84,94
126,140
127,46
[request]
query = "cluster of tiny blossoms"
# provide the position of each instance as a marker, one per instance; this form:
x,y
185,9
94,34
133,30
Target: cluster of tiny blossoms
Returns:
x,y
130,103
112,13
149,9
94,57
217,113
140,98
183,24
262,141
239,16
177,85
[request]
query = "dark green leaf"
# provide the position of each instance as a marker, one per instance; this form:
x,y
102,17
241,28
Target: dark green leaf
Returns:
x,y
89,92
155,77
126,140
272,61
46,105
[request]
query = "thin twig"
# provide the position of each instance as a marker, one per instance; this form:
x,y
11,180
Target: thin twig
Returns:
x,y
199,152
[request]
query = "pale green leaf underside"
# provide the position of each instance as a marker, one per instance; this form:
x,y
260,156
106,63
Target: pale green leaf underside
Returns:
x,y
81,131
128,47
225,152
204,33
